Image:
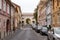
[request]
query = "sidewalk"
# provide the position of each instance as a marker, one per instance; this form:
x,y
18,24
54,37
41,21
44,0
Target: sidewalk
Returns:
x,y
12,34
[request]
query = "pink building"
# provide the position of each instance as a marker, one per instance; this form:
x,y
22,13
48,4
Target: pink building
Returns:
x,y
4,17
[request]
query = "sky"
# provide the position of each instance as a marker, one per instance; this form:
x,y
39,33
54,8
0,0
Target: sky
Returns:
x,y
27,6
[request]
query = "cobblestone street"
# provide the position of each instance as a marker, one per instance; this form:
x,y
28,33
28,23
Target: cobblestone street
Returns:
x,y
28,34
30,20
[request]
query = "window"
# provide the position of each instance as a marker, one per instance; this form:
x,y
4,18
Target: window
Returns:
x,y
8,9
59,8
58,19
53,15
58,14
4,5
11,10
22,21
53,20
4,22
0,19
22,18
53,4
0,4
39,16
57,2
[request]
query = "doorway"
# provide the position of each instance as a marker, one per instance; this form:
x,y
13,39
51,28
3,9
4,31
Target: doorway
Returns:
x,y
8,25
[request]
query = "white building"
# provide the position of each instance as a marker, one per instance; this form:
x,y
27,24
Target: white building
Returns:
x,y
28,15
48,12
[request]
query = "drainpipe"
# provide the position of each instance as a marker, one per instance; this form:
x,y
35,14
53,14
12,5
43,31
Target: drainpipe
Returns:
x,y
10,16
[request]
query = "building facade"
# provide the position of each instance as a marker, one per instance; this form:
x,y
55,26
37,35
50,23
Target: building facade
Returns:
x,y
49,12
42,13
8,17
13,10
17,16
4,17
28,16
56,13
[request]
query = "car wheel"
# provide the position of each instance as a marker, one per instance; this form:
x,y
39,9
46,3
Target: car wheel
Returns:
x,y
48,38
53,38
41,33
38,31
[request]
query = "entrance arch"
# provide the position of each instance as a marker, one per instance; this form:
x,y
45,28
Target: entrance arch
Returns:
x,y
28,20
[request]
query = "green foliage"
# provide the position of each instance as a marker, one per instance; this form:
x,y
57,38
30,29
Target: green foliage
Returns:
x,y
27,20
36,14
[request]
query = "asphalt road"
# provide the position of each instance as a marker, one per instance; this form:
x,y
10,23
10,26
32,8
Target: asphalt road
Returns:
x,y
28,34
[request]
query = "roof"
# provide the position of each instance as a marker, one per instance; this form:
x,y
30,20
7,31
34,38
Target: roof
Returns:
x,y
17,6
10,3
27,14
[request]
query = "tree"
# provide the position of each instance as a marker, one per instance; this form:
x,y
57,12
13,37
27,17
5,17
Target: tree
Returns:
x,y
27,20
36,15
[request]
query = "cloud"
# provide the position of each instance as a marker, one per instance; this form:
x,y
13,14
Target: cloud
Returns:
x,y
27,5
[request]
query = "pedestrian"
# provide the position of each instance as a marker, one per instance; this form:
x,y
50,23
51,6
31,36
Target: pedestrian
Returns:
x,y
14,29
49,26
22,23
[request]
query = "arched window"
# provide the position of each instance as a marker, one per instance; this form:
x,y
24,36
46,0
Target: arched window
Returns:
x,y
0,4
4,5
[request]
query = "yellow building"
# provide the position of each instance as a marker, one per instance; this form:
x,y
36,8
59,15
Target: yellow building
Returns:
x,y
56,13
17,16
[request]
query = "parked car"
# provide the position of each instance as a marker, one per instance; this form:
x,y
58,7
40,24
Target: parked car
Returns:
x,y
33,26
44,31
38,28
54,34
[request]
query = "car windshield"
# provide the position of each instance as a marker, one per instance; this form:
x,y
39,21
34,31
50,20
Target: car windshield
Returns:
x,y
44,28
57,30
39,26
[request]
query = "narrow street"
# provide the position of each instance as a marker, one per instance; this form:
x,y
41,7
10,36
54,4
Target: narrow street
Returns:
x,y
30,20
28,34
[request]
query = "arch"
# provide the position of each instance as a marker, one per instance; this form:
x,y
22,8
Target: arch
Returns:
x,y
8,27
28,20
